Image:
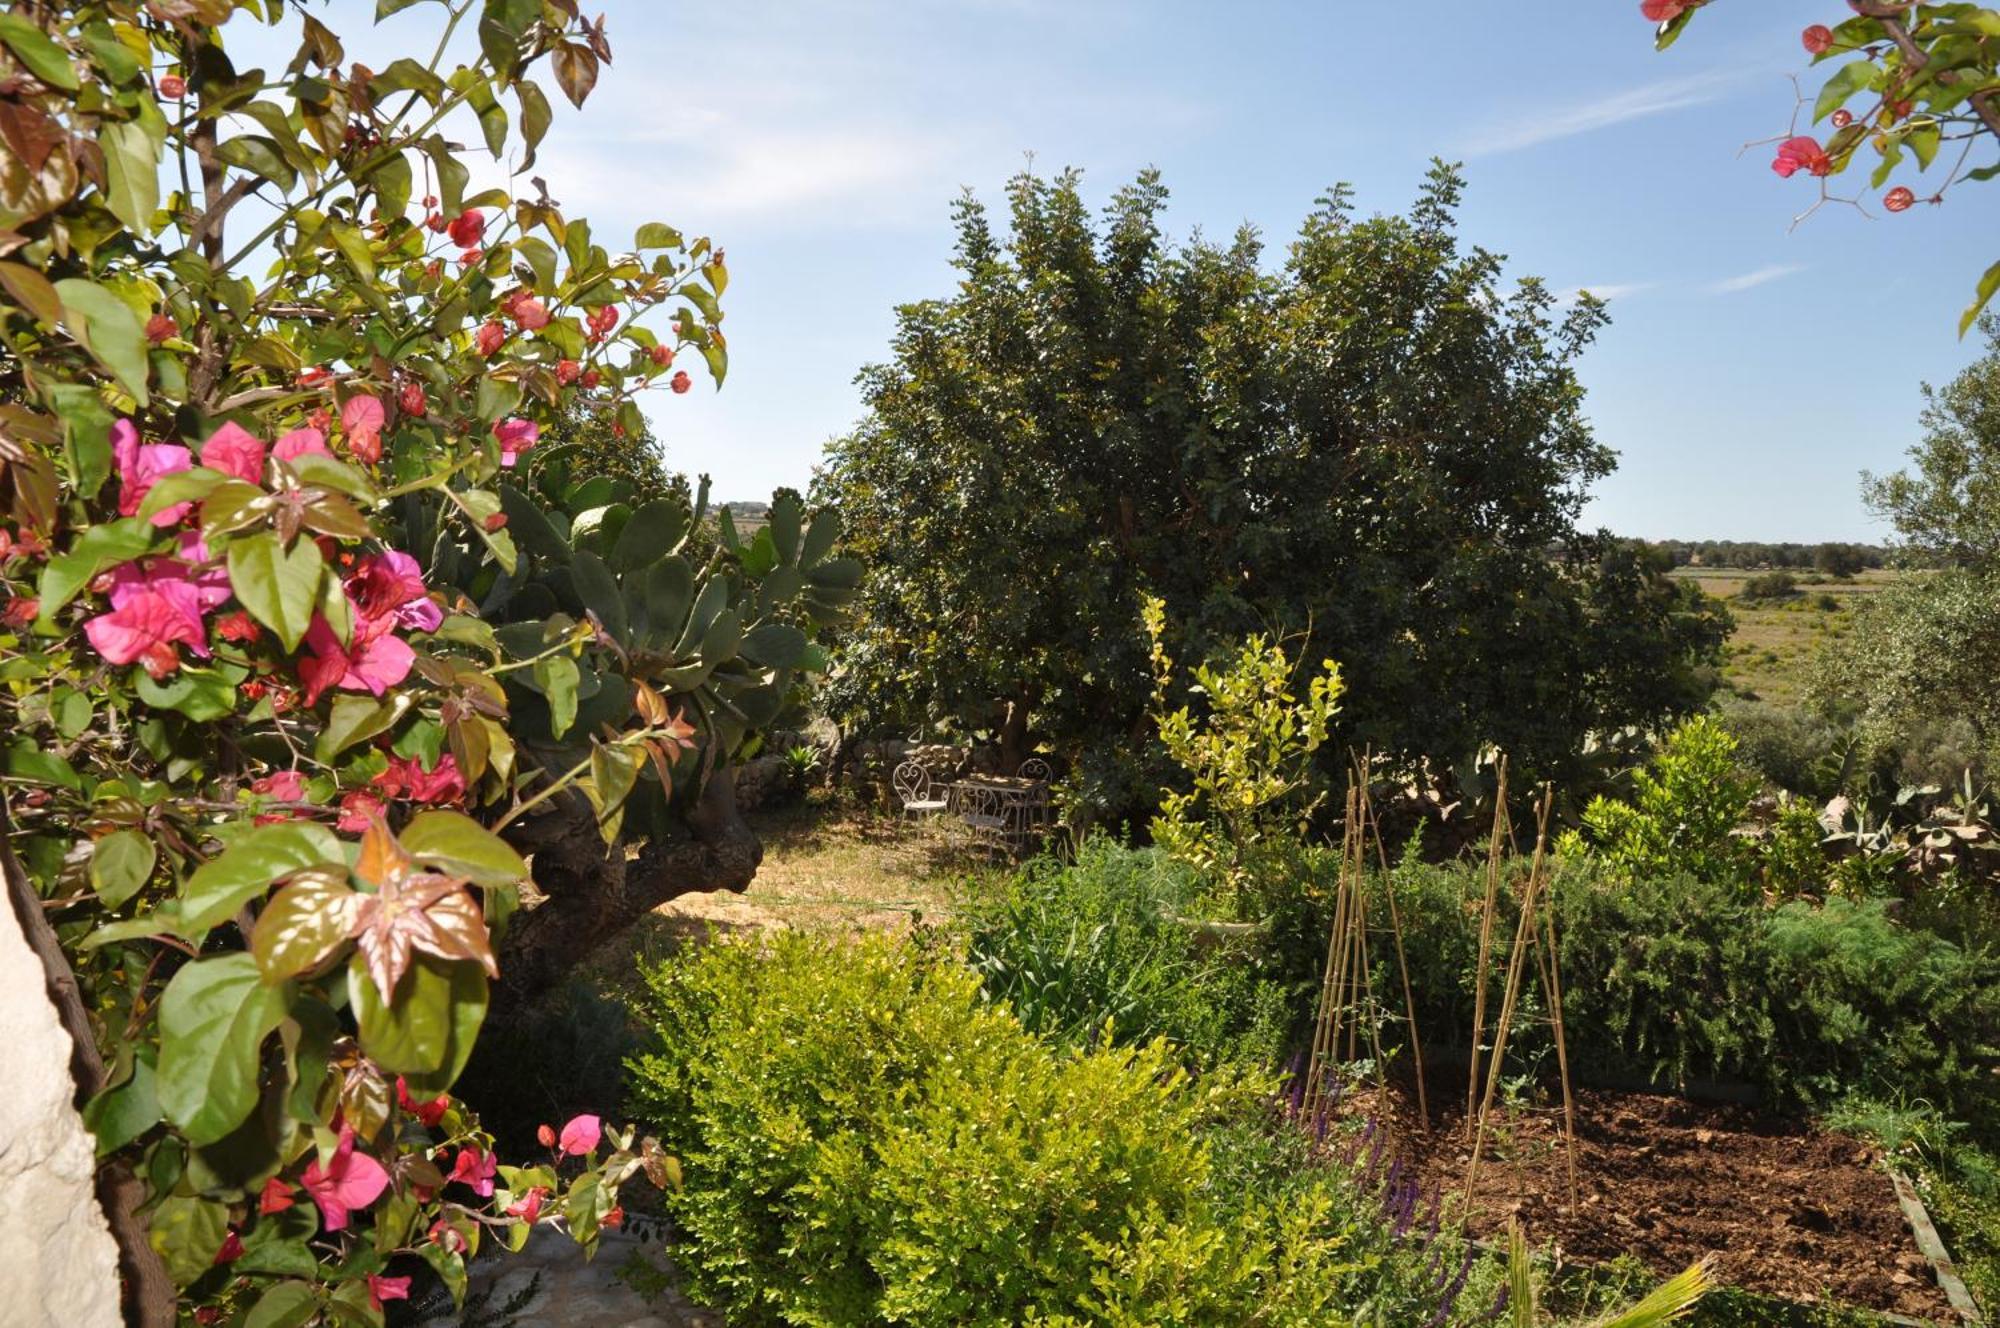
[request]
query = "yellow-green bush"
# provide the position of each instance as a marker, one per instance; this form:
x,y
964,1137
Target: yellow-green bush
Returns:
x,y
867,1140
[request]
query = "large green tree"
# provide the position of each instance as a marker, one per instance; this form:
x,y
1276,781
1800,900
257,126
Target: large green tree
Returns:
x,y
1928,648
1369,444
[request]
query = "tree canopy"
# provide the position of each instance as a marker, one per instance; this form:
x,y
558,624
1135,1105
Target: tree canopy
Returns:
x,y
1369,446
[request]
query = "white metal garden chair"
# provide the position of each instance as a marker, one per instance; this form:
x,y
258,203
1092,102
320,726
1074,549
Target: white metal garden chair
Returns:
x,y
913,785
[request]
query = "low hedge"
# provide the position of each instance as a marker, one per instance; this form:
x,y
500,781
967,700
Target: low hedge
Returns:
x,y
866,1139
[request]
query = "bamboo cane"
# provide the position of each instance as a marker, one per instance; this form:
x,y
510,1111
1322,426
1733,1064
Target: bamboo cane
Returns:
x,y
1402,965
1485,941
1517,960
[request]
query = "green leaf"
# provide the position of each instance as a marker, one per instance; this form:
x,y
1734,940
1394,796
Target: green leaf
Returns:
x,y
1987,285
214,1018
353,246
293,1304
38,52
428,1032
32,291
613,772
259,156
356,719
203,695
132,168
187,1232
120,865
657,235
123,1112
459,846
392,180
183,486
29,762
535,117
1855,76
331,473
95,551
303,924
557,677
279,586
86,433
257,860
109,330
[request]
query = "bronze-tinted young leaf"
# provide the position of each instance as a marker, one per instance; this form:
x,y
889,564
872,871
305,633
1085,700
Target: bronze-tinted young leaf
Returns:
x,y
304,924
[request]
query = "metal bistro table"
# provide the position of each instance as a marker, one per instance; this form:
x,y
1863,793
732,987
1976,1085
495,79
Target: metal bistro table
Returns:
x,y
1002,811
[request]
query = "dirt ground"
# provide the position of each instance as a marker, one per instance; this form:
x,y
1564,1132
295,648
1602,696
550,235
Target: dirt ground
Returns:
x,y
1784,1209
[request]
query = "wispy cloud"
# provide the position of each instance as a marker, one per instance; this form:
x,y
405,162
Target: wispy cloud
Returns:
x,y
1554,122
1769,272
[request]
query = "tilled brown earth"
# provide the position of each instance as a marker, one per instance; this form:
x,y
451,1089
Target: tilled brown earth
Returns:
x,y
1782,1208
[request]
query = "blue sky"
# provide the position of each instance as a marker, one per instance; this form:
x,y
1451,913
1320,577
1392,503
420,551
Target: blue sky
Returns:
x,y
1751,369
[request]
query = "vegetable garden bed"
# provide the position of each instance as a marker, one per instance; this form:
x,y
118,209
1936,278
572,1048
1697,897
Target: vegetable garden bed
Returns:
x,y
1784,1209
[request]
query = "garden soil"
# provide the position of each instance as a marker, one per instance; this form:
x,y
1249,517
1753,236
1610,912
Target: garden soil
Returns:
x,y
1784,1209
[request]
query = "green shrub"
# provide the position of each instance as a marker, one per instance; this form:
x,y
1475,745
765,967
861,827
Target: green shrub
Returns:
x,y
1769,585
1790,747
1077,949
1686,804
1673,979
866,1140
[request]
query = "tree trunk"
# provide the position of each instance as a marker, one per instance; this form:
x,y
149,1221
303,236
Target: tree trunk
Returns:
x,y
591,893
1014,736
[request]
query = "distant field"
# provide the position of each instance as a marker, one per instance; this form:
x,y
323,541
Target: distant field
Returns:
x,y
1774,639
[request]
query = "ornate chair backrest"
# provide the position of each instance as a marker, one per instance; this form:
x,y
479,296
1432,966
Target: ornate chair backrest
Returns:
x,y
912,781
1036,768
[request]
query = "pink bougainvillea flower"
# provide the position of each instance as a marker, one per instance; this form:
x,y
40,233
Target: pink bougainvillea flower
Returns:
x,y
1802,153
489,338
405,777
239,627
313,377
368,664
298,443
390,584
192,565
276,1198
547,1134
232,1248
233,450
661,355
382,1288
1664,11
148,619
350,1180
447,1235
471,257
361,421
602,321
141,466
581,1135
1817,39
21,611
591,378
468,228
613,1219
529,1206
474,1168
430,1113
411,399
357,811
284,785
1899,199
172,86
567,371
516,436
161,327
531,314
681,381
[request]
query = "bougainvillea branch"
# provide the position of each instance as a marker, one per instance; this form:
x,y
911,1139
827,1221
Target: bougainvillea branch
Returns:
x,y
1910,79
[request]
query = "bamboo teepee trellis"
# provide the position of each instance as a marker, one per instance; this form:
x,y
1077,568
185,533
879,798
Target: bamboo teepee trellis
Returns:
x,y
1534,932
1348,1009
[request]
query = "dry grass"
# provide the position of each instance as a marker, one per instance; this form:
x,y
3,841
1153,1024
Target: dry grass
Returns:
x,y
1768,654
828,866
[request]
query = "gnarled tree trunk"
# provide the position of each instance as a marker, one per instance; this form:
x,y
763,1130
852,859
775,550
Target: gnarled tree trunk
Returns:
x,y
591,893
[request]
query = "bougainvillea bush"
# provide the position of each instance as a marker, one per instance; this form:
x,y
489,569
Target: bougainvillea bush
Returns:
x,y
305,638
